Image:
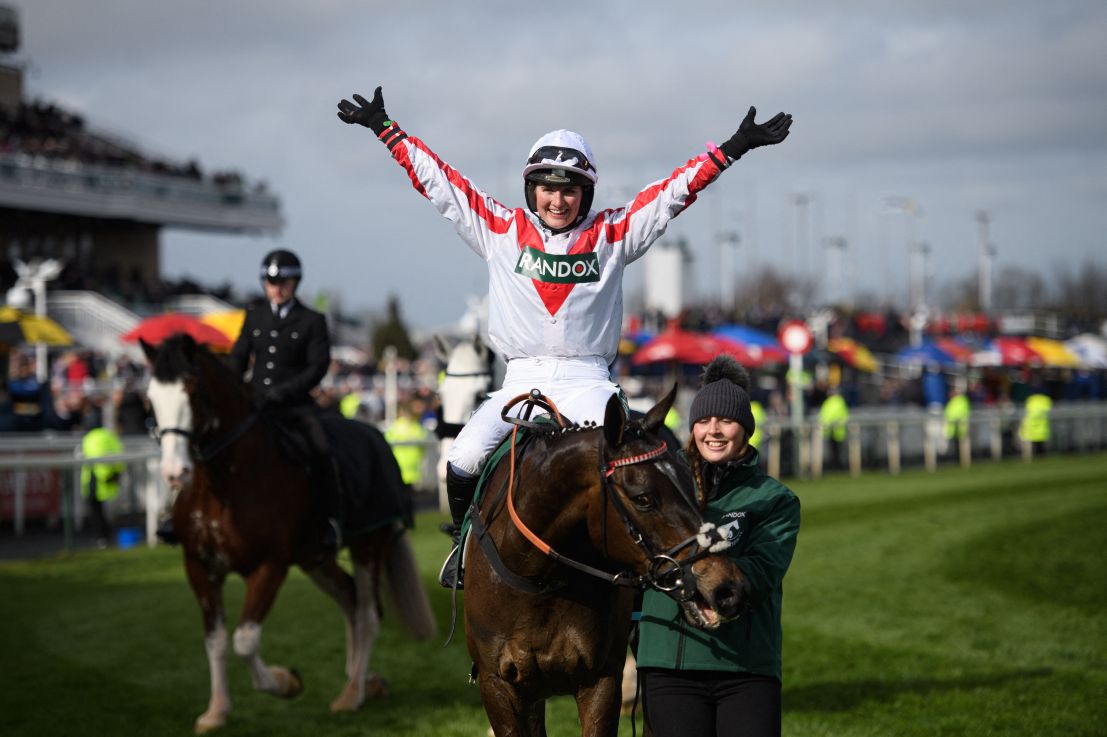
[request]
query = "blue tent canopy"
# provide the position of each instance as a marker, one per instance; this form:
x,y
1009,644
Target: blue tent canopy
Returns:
x,y
928,352
745,335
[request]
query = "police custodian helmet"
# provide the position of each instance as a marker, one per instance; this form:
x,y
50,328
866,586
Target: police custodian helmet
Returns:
x,y
281,264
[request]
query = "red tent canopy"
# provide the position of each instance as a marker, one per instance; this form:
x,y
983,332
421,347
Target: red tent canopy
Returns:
x,y
155,329
683,346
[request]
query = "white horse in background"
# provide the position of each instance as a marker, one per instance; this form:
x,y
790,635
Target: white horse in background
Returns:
x,y
466,382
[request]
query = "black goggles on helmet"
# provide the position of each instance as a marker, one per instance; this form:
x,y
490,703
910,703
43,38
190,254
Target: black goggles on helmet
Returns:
x,y
554,155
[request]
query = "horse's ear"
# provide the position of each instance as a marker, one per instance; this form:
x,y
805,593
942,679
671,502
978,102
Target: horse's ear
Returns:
x,y
189,346
614,421
480,347
150,351
441,350
655,418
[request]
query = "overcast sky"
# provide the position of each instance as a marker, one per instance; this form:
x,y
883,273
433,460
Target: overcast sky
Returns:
x,y
988,105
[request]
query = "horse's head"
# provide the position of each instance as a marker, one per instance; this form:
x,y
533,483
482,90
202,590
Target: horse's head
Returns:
x,y
667,542
178,367
467,379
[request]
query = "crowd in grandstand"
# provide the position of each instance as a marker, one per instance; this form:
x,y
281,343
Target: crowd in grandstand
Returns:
x,y
42,129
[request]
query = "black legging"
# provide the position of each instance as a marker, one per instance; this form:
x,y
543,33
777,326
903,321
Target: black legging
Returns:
x,y
699,703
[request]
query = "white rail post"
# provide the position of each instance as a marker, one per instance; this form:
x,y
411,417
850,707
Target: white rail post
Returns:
x,y
854,449
817,450
893,447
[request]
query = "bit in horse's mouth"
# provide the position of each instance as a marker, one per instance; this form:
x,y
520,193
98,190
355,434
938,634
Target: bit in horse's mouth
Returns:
x,y
700,614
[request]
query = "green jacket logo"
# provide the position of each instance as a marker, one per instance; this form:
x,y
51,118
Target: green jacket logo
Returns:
x,y
574,268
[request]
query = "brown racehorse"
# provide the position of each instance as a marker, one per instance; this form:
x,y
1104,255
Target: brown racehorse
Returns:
x,y
242,506
560,540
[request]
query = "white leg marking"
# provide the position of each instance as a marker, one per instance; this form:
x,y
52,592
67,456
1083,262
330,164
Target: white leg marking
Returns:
x,y
219,705
247,642
366,625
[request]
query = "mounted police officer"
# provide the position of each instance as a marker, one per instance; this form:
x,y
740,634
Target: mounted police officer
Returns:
x,y
290,350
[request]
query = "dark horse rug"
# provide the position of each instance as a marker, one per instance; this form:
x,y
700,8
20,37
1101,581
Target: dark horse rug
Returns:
x,y
373,491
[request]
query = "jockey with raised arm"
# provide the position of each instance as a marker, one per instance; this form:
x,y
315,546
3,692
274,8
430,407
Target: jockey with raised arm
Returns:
x,y
555,270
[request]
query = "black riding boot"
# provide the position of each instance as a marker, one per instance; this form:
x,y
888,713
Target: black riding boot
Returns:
x,y
329,493
459,494
166,532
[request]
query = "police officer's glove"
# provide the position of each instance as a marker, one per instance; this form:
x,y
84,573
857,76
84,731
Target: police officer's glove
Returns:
x,y
274,397
751,134
369,114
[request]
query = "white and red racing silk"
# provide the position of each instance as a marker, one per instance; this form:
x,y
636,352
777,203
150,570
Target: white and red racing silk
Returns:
x,y
552,295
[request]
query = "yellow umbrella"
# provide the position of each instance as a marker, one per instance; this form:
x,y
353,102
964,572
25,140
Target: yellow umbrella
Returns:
x,y
23,327
229,322
1054,352
853,353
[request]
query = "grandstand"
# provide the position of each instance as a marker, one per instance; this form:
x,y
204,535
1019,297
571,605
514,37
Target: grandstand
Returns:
x,y
98,203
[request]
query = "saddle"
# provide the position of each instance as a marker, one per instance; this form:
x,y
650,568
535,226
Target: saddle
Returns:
x,y
372,490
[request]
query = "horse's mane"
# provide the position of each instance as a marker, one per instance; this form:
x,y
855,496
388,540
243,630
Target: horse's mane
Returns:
x,y
180,355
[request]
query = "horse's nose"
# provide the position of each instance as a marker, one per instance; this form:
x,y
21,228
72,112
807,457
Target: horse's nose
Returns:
x,y
729,597
178,477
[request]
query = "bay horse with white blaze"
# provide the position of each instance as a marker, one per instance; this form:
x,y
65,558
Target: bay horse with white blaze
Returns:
x,y
566,531
245,506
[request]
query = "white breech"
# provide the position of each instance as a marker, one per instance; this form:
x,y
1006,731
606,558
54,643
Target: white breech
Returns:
x,y
579,388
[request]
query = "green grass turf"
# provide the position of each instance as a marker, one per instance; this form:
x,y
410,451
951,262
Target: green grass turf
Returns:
x,y
956,603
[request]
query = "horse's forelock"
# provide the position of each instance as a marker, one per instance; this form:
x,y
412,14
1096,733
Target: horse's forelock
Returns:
x,y
172,362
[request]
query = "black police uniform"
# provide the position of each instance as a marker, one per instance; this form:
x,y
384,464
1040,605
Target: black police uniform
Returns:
x,y
291,356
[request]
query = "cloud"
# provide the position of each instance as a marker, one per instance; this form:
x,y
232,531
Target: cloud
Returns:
x,y
961,105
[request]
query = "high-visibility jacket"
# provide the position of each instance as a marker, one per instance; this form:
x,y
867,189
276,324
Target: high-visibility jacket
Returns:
x,y
957,416
96,444
1035,419
672,419
758,420
833,415
349,405
408,457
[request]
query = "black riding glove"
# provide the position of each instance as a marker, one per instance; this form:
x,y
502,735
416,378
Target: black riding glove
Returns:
x,y
751,134
274,397
369,114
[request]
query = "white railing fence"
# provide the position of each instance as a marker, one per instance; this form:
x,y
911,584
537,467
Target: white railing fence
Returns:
x,y
885,440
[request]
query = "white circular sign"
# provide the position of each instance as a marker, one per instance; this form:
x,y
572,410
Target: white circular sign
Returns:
x,y
796,337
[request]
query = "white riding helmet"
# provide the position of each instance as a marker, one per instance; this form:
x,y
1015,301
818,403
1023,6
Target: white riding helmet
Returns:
x,y
561,157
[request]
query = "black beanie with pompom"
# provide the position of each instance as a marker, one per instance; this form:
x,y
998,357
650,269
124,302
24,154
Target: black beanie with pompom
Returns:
x,y
724,392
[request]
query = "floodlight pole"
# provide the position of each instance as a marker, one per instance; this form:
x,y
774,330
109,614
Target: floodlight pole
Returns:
x,y
36,274
726,268
986,252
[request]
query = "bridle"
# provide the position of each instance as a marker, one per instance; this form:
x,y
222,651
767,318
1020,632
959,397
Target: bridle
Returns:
x,y
206,452
665,572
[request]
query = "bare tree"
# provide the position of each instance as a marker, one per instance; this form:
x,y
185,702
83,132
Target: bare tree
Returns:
x,y
1019,289
1082,295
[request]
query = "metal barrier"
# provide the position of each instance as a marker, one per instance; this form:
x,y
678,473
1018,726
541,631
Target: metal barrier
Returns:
x,y
890,438
877,439
22,454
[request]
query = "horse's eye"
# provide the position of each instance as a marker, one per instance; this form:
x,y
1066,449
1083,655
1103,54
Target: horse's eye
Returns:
x,y
643,501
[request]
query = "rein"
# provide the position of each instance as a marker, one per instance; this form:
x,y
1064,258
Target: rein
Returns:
x,y
665,572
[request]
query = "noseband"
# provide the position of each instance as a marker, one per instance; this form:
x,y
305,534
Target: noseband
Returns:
x,y
212,449
665,572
